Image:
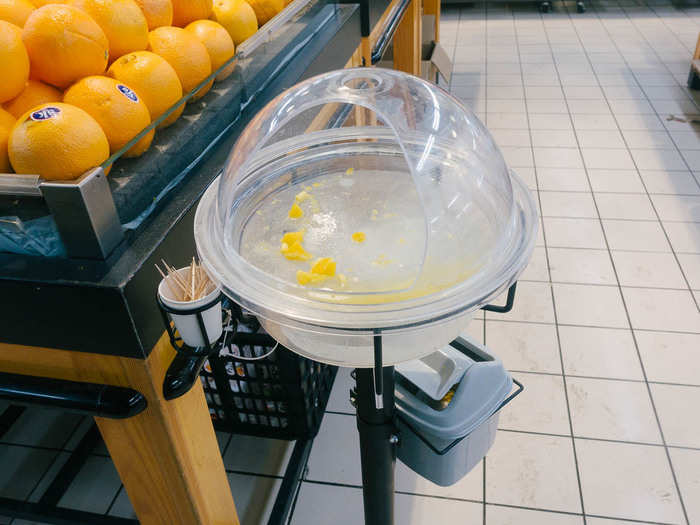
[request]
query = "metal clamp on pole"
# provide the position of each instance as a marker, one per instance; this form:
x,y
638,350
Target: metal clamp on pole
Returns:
x,y
388,33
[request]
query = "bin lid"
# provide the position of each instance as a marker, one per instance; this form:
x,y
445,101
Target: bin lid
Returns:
x,y
365,200
484,386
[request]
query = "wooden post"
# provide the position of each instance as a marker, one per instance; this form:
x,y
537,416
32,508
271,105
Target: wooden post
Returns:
x,y
407,40
167,456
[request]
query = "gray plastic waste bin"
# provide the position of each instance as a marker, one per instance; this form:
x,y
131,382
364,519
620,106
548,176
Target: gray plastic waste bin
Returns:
x,y
443,445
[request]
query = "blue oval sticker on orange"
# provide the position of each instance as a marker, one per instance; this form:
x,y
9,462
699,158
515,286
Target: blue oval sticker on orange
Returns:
x,y
45,113
128,92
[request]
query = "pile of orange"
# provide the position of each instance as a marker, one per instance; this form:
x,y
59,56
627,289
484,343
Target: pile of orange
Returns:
x,y
83,78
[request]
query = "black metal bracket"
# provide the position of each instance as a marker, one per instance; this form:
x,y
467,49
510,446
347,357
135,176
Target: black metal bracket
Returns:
x,y
509,302
72,396
383,41
290,483
188,361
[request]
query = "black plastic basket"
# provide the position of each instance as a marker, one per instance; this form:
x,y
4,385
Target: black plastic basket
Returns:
x,y
255,386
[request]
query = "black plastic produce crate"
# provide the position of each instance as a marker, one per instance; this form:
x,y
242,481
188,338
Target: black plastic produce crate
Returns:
x,y
281,395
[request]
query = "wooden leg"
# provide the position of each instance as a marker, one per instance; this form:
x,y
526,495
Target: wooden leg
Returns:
x,y
167,457
407,40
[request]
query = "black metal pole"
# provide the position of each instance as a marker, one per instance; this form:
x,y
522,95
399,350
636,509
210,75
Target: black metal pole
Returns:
x,y
377,445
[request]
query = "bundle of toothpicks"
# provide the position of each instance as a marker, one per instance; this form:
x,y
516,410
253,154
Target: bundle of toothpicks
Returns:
x,y
187,285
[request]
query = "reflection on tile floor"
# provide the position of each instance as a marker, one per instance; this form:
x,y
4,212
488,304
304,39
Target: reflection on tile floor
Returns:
x,y
592,111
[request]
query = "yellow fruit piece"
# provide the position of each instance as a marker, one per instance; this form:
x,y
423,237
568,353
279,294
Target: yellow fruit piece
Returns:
x,y
15,11
121,20
237,17
291,237
266,9
305,278
7,121
57,141
295,212
153,80
64,45
295,252
158,13
116,108
14,61
349,171
358,237
302,196
218,43
188,56
34,93
324,266
186,11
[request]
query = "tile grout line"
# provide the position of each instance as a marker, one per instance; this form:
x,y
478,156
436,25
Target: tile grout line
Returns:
x,y
612,261
549,272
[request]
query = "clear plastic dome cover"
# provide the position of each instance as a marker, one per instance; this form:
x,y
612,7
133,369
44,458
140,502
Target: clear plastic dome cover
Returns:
x,y
364,201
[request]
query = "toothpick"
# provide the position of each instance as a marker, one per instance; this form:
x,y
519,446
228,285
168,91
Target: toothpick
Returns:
x,y
167,281
193,267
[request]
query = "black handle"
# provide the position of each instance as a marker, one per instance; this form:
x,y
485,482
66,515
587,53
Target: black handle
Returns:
x,y
83,398
386,37
509,302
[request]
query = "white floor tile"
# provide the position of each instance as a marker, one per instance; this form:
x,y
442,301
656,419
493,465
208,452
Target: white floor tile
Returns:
x,y
639,122
599,352
254,496
686,465
686,140
648,139
669,357
616,181
550,121
611,409
533,302
514,516
657,270
470,487
690,263
635,235
658,159
557,158
573,233
541,407
677,409
536,269
589,138
684,236
594,122
603,158
558,179
665,310
94,488
670,182
506,120
567,204
581,266
532,471
677,208
524,346
256,455
42,428
329,505
632,206
337,432
22,468
339,400
589,305
547,106
625,487
548,138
